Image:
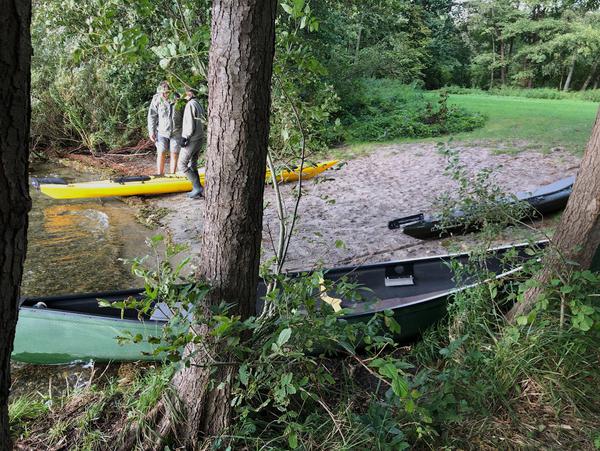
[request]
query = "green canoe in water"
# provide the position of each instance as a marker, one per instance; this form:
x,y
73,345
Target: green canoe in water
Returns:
x,y
65,329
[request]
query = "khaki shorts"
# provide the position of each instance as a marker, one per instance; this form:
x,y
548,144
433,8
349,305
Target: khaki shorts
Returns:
x,y
164,144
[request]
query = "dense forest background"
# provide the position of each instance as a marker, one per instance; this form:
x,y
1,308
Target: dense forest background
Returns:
x,y
353,70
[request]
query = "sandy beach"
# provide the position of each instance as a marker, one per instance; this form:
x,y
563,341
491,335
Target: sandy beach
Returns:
x,y
351,205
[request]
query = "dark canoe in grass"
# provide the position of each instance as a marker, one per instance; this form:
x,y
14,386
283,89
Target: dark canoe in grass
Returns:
x,y
543,201
64,329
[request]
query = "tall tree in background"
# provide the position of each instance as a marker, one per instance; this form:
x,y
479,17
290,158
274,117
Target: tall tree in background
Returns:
x,y
577,236
15,59
239,81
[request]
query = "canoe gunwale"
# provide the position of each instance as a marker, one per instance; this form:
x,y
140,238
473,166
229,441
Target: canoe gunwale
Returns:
x,y
343,270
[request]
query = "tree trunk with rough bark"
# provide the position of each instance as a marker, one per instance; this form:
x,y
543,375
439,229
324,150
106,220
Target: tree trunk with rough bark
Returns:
x,y
577,237
239,83
15,59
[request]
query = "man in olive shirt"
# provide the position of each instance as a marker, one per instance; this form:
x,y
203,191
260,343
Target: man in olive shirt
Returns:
x,y
164,127
192,138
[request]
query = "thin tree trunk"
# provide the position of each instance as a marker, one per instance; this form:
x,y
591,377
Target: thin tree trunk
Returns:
x,y
562,77
239,82
595,84
590,77
493,63
526,82
570,75
15,59
502,62
577,236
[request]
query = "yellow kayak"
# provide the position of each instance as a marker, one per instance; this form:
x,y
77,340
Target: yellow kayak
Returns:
x,y
150,185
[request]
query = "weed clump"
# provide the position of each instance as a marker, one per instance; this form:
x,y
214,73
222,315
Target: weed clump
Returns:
x,y
384,110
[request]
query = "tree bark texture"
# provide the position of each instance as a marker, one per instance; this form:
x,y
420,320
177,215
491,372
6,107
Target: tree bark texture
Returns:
x,y
15,59
239,83
577,236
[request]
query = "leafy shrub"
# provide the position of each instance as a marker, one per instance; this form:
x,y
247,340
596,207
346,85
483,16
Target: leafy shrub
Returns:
x,y
386,109
92,106
461,90
592,95
535,93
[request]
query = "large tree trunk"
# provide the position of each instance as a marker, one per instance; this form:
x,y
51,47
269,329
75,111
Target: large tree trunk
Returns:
x,y
577,236
239,83
570,75
15,58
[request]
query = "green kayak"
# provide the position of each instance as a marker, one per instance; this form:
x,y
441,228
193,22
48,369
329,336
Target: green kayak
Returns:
x,y
64,329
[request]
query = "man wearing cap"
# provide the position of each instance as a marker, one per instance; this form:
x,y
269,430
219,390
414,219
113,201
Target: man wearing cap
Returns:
x,y
192,138
164,126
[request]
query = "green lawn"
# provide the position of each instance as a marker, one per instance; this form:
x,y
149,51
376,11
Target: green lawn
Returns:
x,y
541,122
513,124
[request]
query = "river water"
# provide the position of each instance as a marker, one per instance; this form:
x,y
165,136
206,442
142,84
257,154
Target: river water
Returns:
x,y
77,245
74,246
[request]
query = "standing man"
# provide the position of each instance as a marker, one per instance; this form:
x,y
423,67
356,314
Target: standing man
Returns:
x,y
164,127
192,138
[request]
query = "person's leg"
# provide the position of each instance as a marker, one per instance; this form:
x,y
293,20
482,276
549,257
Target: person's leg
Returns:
x,y
183,162
160,163
189,164
161,152
174,147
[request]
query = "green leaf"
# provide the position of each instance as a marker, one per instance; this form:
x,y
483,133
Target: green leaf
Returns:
x,y
287,8
566,289
392,324
583,323
399,386
522,320
293,440
388,370
284,336
243,373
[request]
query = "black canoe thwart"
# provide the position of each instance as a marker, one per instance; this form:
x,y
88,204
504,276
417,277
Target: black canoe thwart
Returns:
x,y
543,201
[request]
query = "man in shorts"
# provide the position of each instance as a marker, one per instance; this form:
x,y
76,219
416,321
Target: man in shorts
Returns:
x,y
164,126
192,138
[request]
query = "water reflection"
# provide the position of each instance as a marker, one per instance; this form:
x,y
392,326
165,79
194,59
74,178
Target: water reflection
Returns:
x,y
76,245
